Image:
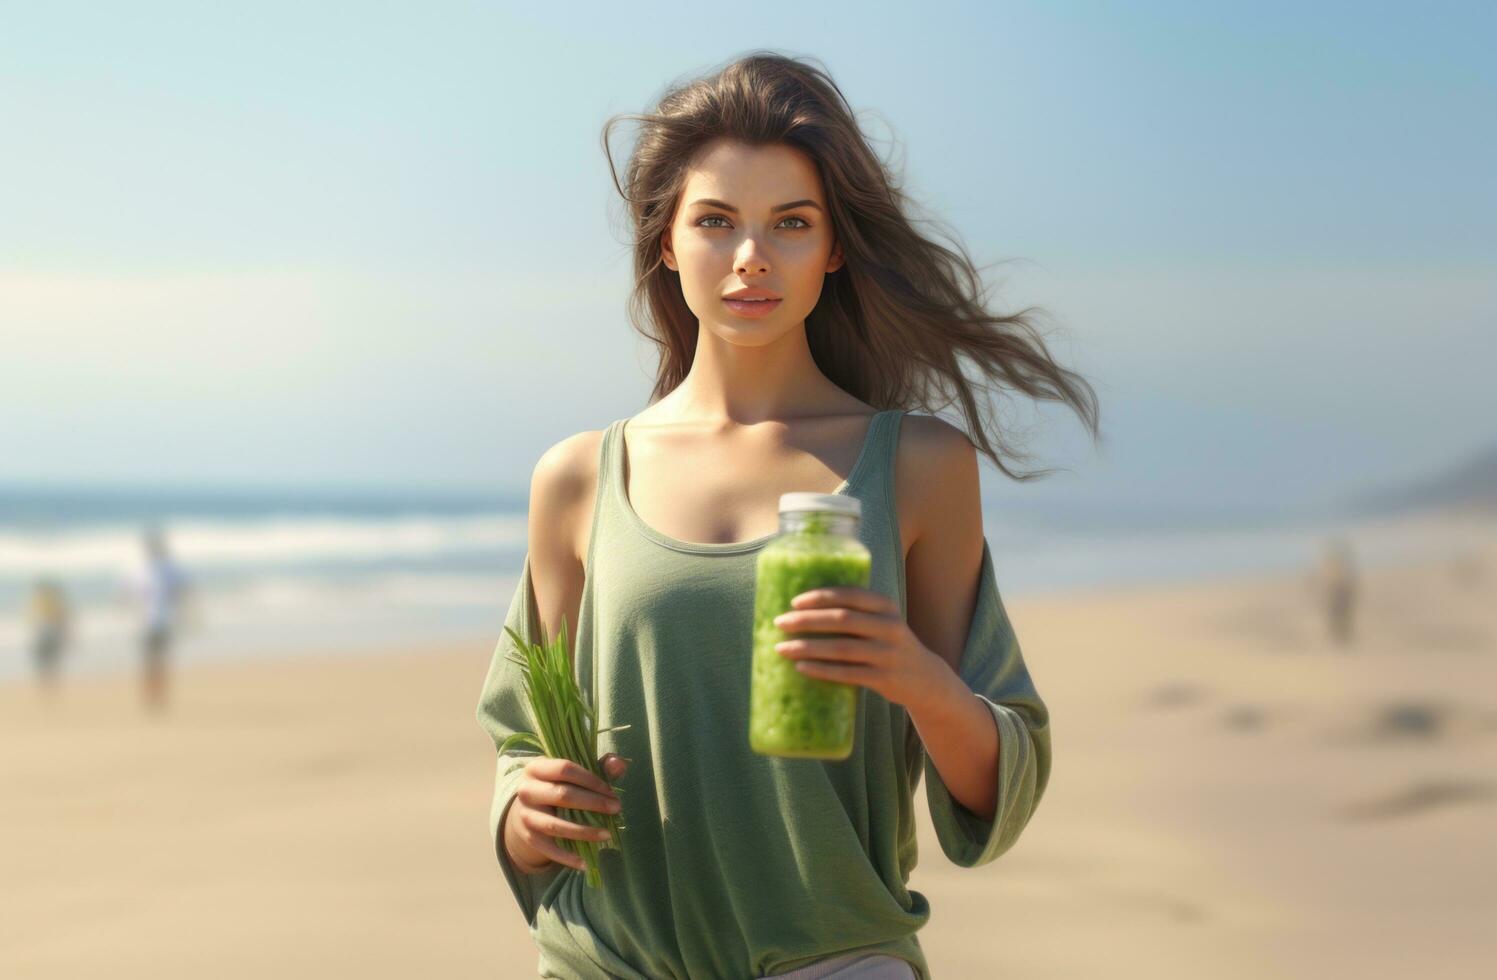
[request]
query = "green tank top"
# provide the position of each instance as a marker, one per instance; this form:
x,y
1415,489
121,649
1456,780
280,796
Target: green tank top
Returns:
x,y
736,865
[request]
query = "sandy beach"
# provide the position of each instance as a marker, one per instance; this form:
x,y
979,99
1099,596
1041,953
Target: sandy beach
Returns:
x,y
1233,796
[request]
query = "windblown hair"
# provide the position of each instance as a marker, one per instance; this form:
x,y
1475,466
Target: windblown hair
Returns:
x,y
895,323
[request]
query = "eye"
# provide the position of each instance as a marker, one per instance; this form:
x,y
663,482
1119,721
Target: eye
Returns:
x,y
702,223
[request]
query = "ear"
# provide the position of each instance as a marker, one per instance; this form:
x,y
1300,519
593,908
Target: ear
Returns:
x,y
836,260
667,254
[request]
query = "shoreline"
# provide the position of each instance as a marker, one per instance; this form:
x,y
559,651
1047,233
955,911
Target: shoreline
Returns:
x,y
1038,566
124,664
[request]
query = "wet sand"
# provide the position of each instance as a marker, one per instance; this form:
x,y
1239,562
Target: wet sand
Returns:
x,y
1232,796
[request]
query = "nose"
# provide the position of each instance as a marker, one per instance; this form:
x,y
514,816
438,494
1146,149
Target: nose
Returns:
x,y
750,261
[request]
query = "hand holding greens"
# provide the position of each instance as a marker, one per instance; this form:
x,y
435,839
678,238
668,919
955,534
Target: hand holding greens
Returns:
x,y
566,728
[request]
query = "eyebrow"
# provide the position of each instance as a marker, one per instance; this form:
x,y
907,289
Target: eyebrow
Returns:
x,y
713,202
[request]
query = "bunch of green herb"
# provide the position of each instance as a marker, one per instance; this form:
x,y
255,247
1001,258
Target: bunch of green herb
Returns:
x,y
566,728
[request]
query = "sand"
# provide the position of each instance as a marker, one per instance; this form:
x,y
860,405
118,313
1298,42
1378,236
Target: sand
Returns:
x,y
1232,796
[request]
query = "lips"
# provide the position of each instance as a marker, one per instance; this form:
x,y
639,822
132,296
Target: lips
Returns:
x,y
750,307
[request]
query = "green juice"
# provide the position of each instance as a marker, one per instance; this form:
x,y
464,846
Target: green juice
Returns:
x,y
791,714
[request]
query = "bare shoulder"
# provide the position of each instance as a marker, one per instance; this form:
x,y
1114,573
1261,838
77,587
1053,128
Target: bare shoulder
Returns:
x,y
936,475
934,435
939,487
566,469
562,486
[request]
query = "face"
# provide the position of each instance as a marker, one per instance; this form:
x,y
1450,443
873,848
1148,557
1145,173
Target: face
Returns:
x,y
732,231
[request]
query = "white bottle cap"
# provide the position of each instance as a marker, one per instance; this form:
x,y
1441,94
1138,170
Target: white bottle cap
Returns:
x,y
834,503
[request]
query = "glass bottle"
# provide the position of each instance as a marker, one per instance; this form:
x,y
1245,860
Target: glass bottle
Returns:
x,y
791,714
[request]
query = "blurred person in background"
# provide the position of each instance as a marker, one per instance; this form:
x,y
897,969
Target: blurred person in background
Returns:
x,y
162,589
1337,582
48,616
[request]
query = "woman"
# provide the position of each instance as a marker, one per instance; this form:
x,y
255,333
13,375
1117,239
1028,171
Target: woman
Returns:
x,y
798,314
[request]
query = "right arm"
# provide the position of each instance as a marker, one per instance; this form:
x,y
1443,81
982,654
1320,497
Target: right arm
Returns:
x,y
561,495
562,489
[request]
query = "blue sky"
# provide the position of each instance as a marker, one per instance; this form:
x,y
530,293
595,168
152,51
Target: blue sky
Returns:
x,y
357,243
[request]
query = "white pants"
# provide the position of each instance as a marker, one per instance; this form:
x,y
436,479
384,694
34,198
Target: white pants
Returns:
x,y
862,966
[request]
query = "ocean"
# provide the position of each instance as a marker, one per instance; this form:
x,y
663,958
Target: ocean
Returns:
x,y
283,573
276,573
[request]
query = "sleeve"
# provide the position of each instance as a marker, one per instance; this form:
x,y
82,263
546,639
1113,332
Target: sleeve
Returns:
x,y
992,667
502,711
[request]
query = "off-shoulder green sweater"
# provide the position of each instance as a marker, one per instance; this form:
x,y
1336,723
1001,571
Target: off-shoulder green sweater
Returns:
x,y
736,865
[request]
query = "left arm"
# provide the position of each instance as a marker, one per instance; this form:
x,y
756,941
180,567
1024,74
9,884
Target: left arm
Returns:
x,y
943,572
955,665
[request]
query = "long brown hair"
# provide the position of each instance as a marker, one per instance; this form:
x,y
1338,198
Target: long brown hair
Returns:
x,y
892,325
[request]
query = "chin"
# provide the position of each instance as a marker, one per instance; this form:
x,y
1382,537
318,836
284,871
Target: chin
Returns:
x,y
749,333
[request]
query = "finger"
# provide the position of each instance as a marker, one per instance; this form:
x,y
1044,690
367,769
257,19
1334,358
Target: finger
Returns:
x,y
554,826
567,771
835,619
538,792
546,844
845,673
840,650
615,765
852,596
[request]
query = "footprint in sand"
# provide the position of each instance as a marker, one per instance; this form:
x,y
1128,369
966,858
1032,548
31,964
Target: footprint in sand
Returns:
x,y
1174,695
1418,721
1420,797
1244,718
